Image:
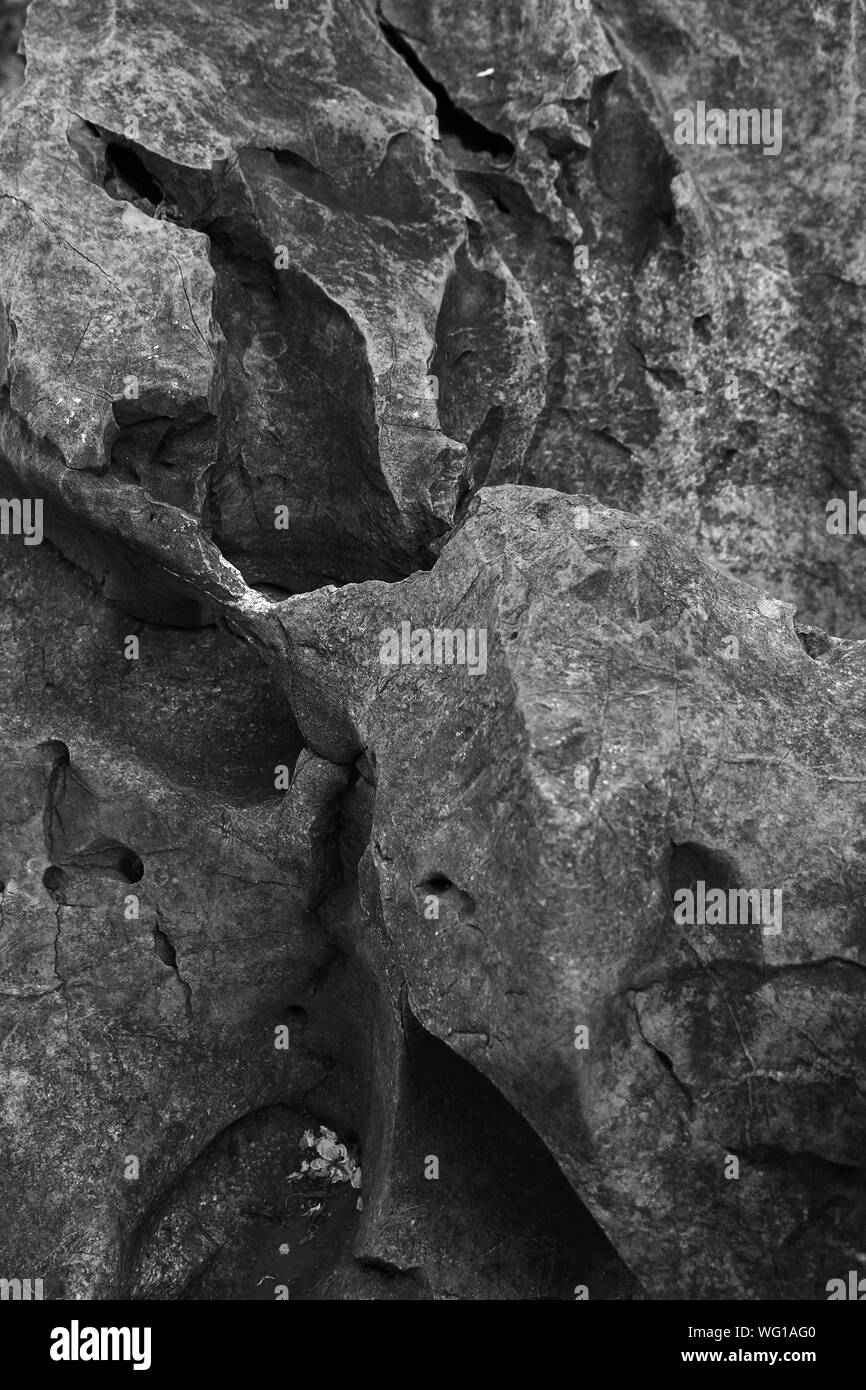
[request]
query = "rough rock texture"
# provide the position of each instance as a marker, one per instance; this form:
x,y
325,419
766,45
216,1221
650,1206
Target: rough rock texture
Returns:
x,y
311,319
271,320
704,264
607,649
154,1038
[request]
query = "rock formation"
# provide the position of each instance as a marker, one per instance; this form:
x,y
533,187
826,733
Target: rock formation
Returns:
x,y
436,601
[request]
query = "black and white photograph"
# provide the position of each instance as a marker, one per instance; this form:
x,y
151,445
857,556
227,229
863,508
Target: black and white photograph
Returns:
x,y
432,668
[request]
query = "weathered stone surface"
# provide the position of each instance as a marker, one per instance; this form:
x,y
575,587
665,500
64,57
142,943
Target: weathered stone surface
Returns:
x,y
154,1038
608,649
330,260
704,264
255,290
107,1021
11,61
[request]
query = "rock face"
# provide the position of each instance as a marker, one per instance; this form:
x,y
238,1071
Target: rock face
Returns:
x,y
286,360
641,723
705,364
371,722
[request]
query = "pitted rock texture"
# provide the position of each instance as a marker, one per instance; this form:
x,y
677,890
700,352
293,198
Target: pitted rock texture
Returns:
x,y
334,337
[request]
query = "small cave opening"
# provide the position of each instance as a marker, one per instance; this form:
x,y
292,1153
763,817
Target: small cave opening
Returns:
x,y
126,169
54,879
108,858
447,894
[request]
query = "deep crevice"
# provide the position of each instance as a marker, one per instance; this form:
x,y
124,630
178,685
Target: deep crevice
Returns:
x,y
58,752
124,168
390,1271
118,166
453,120
165,949
801,1161
314,416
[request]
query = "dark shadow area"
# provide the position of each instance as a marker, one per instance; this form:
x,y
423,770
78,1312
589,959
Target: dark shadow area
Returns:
x,y
453,120
475,1192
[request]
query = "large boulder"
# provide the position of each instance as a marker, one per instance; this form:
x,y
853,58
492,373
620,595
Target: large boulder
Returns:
x,y
184,992
628,723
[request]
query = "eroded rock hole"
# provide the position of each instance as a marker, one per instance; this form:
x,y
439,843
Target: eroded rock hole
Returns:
x,y
449,895
54,879
108,857
166,457
471,311
816,643
56,750
702,327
